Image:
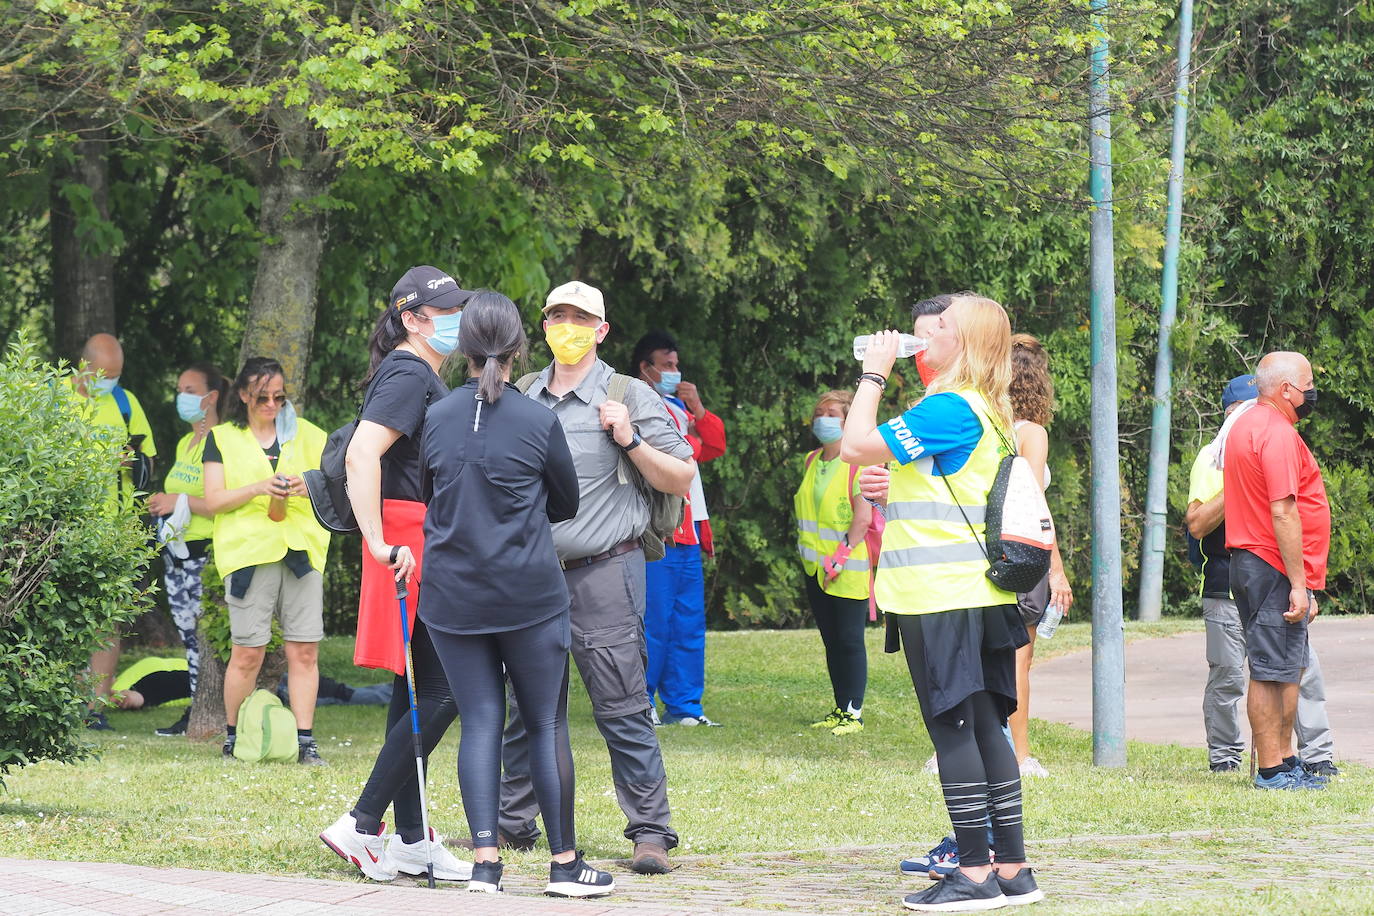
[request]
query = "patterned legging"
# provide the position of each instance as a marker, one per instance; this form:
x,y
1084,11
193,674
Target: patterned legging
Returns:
x,y
182,580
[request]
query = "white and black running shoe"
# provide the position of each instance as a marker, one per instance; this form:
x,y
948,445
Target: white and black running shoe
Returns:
x,y
486,877
957,893
1022,889
578,879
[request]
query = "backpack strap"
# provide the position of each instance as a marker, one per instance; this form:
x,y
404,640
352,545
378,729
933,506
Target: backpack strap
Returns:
x,y
811,458
616,389
976,539
525,381
122,402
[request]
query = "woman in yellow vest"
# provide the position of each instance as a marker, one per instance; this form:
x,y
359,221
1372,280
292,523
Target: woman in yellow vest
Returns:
x,y
959,630
268,546
185,525
832,519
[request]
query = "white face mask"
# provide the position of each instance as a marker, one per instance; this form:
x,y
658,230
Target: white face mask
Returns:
x,y
103,385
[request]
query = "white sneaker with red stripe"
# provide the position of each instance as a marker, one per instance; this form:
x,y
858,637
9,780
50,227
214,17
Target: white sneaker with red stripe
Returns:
x,y
362,849
414,858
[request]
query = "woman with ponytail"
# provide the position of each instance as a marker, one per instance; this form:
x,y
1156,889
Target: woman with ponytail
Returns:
x,y
185,525
416,332
496,472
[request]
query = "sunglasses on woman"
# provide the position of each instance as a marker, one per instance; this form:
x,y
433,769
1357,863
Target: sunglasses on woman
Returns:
x,y
263,399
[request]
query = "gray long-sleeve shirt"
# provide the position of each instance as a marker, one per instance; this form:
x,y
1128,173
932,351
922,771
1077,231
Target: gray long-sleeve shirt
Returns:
x,y
609,512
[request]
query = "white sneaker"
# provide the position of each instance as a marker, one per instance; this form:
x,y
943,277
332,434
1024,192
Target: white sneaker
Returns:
x,y
410,858
362,849
932,765
1032,767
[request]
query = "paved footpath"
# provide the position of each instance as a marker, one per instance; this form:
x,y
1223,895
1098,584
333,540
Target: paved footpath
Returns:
x,y
1165,678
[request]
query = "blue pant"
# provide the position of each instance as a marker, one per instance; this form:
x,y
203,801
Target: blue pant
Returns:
x,y
675,630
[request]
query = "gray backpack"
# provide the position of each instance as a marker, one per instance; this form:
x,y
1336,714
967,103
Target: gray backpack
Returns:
x,y
666,510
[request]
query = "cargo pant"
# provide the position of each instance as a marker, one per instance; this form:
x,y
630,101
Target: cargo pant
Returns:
x,y
608,648
1226,680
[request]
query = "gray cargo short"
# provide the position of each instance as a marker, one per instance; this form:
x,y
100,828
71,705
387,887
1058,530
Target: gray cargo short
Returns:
x,y
1275,648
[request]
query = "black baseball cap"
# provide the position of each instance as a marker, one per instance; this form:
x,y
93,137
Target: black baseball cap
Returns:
x,y
425,285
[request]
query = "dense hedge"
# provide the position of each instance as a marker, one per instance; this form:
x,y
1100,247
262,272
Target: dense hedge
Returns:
x,y
69,560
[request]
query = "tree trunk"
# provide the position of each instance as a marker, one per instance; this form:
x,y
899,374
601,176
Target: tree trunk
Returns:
x,y
82,258
281,314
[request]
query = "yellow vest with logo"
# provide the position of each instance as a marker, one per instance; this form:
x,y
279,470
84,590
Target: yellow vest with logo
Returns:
x,y
821,529
246,536
187,476
931,561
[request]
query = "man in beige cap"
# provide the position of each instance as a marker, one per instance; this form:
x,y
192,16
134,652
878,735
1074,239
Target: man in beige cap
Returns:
x,y
604,567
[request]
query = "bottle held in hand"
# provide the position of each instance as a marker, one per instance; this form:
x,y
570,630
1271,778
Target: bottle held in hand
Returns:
x,y
276,506
1050,622
909,346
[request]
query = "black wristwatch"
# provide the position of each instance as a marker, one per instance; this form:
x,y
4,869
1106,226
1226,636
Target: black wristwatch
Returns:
x,y
634,443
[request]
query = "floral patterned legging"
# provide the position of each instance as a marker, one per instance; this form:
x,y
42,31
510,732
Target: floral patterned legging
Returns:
x,y
182,581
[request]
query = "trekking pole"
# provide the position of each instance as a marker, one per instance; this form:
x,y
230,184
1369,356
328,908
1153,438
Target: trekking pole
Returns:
x,y
401,594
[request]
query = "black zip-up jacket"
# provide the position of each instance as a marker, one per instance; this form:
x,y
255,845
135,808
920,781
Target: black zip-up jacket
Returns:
x,y
494,477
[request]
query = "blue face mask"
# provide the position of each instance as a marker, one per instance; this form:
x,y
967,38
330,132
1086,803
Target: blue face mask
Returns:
x,y
667,383
103,385
188,406
445,338
827,429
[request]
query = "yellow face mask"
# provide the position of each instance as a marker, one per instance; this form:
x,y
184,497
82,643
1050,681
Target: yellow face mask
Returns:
x,y
570,342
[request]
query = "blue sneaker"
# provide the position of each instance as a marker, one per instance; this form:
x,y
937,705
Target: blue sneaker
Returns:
x,y
941,860
1292,779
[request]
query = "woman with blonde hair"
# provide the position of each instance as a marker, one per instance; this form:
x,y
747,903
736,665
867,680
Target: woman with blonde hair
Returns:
x,y
832,519
960,631
1032,407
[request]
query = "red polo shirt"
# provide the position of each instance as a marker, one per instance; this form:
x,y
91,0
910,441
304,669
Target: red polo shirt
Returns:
x,y
1266,460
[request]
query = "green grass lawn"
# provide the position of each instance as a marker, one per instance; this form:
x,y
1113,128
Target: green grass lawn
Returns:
x,y
763,783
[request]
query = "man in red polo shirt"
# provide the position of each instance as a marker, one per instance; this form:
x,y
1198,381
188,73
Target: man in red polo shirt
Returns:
x,y
1278,528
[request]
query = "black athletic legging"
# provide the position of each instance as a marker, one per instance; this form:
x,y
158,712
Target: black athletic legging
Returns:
x,y
535,659
978,771
393,775
841,624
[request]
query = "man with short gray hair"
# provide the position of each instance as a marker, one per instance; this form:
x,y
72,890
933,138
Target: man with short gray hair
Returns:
x,y
1278,529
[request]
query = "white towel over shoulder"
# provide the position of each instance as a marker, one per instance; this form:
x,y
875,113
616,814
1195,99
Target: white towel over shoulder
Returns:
x,y
1219,443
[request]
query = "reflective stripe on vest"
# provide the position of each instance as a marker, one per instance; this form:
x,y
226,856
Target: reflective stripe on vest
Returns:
x,y
821,529
246,536
931,561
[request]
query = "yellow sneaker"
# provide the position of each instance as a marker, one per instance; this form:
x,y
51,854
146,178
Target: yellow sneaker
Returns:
x,y
834,718
848,725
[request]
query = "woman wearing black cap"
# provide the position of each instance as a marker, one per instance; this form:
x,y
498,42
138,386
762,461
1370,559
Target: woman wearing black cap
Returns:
x,y
496,471
413,336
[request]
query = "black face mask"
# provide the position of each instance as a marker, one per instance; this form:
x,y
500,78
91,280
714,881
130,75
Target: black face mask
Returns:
x,y
1309,403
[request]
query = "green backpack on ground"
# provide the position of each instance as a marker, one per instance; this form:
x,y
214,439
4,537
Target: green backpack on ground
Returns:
x,y
266,730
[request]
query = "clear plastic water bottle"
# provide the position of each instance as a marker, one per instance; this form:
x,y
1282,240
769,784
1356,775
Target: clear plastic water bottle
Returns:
x,y
1050,622
909,346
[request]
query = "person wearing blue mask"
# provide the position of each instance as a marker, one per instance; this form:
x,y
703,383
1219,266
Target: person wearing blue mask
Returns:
x,y
108,405
185,523
675,586
832,520
414,335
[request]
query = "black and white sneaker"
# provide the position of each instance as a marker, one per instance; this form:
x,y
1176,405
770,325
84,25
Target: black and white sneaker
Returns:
x,y
177,728
957,893
1022,889
308,752
578,879
486,877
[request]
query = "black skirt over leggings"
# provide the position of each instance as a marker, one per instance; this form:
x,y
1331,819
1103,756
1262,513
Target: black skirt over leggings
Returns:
x,y
963,666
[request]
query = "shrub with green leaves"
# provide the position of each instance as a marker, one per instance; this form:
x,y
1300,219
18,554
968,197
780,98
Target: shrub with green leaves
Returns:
x,y
70,559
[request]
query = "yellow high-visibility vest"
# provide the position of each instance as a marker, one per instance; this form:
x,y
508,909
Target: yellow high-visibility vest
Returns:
x,y
931,561
821,528
246,536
